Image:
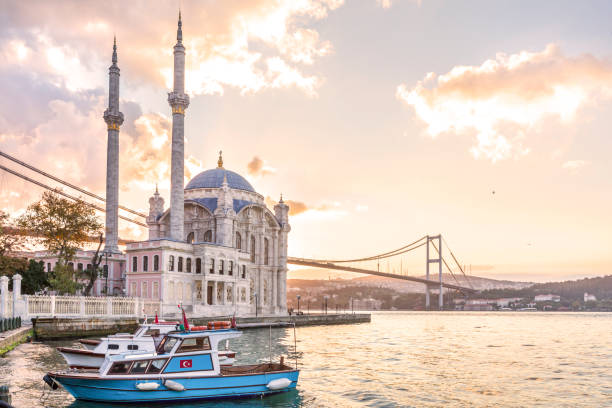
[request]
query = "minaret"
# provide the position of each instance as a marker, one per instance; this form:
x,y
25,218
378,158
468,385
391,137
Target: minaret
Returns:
x,y
156,209
113,119
281,211
179,101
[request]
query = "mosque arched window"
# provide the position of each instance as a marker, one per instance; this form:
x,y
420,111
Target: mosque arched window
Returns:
x,y
190,238
134,264
252,248
188,265
180,264
145,263
156,263
198,265
238,241
266,251
208,236
171,263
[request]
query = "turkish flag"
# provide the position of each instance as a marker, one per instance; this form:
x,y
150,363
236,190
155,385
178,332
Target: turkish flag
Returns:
x,y
185,364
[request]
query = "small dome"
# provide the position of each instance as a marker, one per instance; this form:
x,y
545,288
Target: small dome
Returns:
x,y
213,178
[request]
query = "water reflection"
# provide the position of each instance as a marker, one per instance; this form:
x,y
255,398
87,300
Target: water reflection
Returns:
x,y
402,359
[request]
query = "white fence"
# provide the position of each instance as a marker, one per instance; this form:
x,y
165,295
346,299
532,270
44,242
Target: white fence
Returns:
x,y
81,306
13,304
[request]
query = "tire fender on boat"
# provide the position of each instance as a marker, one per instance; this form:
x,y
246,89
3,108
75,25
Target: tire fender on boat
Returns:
x,y
147,386
279,384
174,386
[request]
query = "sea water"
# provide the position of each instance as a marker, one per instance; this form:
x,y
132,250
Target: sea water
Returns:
x,y
400,359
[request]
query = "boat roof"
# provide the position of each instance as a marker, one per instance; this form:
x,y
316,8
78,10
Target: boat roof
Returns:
x,y
202,333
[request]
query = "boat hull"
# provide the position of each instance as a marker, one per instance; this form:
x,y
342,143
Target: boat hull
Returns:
x,y
196,388
81,358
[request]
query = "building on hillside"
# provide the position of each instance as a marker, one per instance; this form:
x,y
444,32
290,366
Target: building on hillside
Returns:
x,y
589,298
547,298
217,249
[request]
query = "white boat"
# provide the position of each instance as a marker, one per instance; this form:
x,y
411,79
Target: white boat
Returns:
x,y
145,339
183,367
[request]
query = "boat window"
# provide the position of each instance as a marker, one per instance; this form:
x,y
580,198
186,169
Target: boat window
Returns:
x,y
121,367
166,345
113,347
156,366
132,347
152,332
139,367
194,344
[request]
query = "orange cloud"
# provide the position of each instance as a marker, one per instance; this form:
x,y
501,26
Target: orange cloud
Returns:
x,y
502,99
258,167
251,46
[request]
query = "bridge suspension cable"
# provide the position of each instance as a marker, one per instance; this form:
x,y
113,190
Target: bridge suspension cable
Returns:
x,y
79,189
60,192
399,251
458,264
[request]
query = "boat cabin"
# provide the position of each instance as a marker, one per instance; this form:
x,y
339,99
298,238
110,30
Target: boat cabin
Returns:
x,y
176,353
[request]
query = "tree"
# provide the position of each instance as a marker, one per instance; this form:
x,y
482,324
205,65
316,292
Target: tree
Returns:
x,y
34,278
62,226
10,239
62,279
93,272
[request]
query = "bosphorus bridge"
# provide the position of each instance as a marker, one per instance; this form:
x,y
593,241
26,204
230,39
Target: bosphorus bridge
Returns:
x,y
369,265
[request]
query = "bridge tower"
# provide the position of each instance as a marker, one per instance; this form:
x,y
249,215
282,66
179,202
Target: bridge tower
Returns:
x,y
437,260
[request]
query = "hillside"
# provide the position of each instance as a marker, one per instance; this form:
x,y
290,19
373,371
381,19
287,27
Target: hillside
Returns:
x,y
402,286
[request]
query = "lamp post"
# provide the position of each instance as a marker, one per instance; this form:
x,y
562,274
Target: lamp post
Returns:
x,y
298,299
325,298
106,265
255,295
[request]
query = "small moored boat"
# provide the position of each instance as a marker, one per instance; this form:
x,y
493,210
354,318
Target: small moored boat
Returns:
x,y
184,366
143,340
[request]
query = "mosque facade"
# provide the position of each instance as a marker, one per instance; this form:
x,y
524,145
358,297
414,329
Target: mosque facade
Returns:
x,y
216,250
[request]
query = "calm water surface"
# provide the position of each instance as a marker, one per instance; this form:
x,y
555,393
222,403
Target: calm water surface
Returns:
x,y
403,359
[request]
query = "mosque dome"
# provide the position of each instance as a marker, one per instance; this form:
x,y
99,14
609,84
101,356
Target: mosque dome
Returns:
x,y
213,178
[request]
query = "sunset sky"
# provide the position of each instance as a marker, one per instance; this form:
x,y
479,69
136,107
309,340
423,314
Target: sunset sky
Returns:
x,y
381,121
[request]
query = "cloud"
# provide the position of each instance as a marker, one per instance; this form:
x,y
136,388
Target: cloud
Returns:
x,y
299,207
248,45
258,167
575,165
499,102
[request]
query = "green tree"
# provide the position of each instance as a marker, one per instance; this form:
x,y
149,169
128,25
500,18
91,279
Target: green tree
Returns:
x,y
62,226
62,279
34,278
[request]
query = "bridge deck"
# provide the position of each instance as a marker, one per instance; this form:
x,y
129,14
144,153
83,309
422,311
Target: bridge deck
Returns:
x,y
307,262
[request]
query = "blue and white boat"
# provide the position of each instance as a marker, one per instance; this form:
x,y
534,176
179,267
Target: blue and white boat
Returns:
x,y
184,366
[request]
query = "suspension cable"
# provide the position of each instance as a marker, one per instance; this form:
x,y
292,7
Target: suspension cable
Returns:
x,y
447,267
404,249
60,192
458,264
79,189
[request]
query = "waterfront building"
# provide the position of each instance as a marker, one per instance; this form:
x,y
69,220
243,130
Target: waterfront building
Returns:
x,y
547,298
589,298
217,249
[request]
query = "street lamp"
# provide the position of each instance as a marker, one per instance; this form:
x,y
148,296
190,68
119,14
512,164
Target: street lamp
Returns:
x,y
325,298
106,265
298,299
